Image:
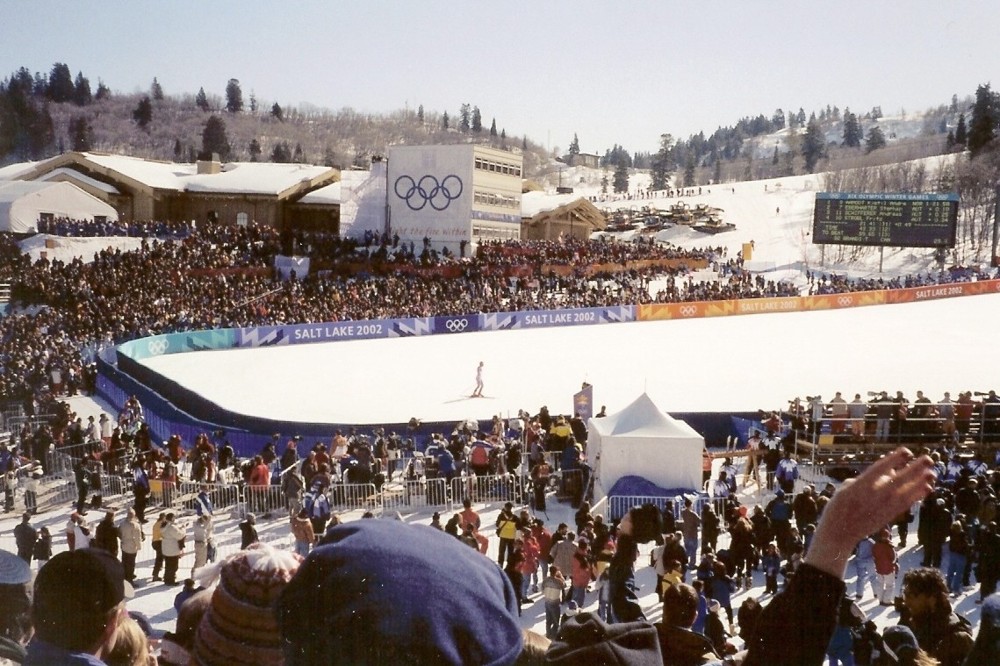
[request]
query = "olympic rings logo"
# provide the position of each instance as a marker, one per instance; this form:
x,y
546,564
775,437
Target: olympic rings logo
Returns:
x,y
845,301
157,347
417,194
456,325
688,310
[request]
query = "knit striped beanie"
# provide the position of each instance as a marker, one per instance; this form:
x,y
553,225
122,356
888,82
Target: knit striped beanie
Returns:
x,y
239,626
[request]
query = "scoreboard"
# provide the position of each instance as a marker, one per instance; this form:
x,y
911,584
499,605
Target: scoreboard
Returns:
x,y
896,220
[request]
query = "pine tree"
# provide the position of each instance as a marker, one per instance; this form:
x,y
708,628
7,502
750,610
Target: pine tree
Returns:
x,y
420,113
298,156
984,121
143,113
621,178
661,164
689,166
60,84
954,104
178,150
774,158
574,148
253,103
214,139
852,130
503,137
477,120
255,150
329,157
444,121
81,135
717,171
234,96
281,153
156,90
201,100
813,144
40,85
493,128
81,90
277,113
464,118
961,133
875,140
102,91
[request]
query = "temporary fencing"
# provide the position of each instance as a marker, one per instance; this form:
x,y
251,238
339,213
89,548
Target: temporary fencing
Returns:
x,y
347,496
415,494
223,496
486,488
263,499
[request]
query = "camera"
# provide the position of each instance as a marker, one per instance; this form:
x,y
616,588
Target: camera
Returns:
x,y
979,394
872,394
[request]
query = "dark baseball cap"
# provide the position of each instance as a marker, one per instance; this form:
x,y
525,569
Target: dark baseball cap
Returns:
x,y
74,592
88,577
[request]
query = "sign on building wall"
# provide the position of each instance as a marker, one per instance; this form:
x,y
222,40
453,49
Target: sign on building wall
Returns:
x,y
430,193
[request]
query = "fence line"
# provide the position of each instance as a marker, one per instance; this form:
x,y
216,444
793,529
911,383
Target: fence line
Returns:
x,y
486,488
346,496
414,494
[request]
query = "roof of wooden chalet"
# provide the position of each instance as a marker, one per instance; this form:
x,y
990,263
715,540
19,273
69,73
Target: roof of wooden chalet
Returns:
x,y
578,210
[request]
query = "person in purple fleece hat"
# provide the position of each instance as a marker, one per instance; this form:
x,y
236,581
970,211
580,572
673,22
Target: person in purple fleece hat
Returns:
x,y
386,592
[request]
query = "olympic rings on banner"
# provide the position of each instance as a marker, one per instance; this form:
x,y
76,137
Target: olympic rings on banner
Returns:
x,y
417,194
157,347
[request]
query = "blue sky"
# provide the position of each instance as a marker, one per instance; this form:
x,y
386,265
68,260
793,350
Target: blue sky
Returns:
x,y
611,72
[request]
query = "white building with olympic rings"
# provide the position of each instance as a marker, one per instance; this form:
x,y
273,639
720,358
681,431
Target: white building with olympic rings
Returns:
x,y
453,196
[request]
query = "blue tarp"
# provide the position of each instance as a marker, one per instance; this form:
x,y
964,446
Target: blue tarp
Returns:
x,y
637,486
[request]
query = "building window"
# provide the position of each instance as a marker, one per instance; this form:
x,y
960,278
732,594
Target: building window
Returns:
x,y
242,219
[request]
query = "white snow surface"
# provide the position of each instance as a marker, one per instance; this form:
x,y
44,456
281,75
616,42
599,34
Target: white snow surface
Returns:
x,y
739,363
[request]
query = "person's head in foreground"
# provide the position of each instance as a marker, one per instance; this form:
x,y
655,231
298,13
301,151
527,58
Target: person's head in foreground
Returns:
x,y
79,603
239,625
386,592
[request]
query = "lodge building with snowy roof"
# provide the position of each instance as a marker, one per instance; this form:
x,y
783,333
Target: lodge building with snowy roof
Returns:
x,y
208,191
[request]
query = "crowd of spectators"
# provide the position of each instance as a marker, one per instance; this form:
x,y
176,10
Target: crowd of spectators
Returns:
x,y
264,604
100,227
836,284
67,312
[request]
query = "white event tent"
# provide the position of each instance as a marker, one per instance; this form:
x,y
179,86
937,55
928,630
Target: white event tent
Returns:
x,y
23,202
643,440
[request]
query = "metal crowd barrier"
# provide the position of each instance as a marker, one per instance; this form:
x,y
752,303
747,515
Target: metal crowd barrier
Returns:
x,y
414,494
263,499
112,485
345,496
496,488
223,496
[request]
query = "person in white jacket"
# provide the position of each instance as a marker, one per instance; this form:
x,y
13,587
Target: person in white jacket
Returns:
x,y
132,536
203,528
173,547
